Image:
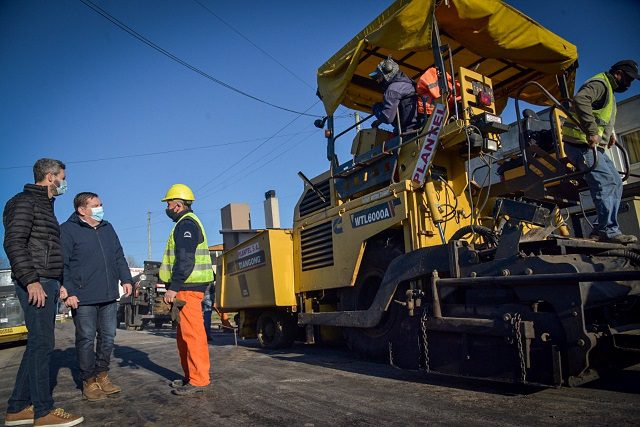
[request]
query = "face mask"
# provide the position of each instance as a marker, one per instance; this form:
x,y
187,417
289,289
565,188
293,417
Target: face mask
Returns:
x,y
61,188
171,214
622,86
97,213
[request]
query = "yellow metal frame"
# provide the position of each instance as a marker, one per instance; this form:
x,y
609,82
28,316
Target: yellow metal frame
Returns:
x,y
257,273
14,333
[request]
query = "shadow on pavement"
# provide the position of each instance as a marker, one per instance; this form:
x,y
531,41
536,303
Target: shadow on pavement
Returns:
x,y
136,359
219,337
627,381
64,359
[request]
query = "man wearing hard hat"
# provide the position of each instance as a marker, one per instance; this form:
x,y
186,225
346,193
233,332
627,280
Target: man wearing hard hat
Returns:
x,y
595,106
186,270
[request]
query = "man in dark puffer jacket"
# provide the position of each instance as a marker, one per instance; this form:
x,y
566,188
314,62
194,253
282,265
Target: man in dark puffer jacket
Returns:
x,y
32,243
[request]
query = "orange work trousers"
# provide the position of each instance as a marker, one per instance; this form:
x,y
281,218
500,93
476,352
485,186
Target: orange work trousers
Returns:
x,y
192,339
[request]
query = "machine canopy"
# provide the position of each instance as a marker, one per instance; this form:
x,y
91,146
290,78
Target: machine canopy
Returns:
x,y
487,36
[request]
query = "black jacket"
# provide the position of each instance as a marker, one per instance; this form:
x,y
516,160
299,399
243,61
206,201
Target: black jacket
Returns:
x,y
399,96
32,236
93,261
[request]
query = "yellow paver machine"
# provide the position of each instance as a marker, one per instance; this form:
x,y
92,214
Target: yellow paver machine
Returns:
x,y
398,252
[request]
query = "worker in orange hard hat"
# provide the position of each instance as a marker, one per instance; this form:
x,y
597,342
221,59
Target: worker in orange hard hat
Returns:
x,y
186,269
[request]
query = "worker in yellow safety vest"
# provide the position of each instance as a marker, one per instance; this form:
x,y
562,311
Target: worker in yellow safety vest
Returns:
x,y
595,107
186,270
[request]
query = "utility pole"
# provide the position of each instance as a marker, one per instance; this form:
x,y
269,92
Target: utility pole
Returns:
x,y
148,235
357,116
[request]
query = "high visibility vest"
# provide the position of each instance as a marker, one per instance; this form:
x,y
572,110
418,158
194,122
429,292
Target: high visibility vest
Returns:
x,y
202,270
429,90
572,133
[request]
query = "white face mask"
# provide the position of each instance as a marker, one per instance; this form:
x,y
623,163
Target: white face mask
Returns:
x,y
97,213
61,188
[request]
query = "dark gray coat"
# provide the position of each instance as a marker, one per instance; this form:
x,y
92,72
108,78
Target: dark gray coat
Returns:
x,y
93,261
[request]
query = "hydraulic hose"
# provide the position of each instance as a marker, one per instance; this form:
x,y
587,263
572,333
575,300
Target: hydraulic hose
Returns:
x,y
485,232
626,253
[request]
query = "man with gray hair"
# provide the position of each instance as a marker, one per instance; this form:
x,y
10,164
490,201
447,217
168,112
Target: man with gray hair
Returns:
x,y
32,244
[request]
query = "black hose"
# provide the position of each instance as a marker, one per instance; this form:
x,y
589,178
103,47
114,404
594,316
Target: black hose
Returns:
x,y
634,257
485,232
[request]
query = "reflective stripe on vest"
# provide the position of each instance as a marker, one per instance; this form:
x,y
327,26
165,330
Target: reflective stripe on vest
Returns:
x,y
202,269
572,133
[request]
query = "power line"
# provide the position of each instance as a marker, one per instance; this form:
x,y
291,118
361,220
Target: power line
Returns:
x,y
168,54
264,162
257,148
254,45
155,153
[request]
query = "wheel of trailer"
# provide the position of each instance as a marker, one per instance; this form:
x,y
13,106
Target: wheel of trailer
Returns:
x,y
158,323
275,330
373,342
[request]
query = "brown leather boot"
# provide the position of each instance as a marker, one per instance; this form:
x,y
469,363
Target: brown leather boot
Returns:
x,y
91,390
102,379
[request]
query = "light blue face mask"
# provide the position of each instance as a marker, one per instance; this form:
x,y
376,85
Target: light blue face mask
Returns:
x,y
62,188
97,213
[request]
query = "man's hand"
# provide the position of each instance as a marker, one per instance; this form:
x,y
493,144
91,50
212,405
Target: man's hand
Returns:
x,y
612,140
72,302
127,288
169,296
375,123
63,293
594,140
37,295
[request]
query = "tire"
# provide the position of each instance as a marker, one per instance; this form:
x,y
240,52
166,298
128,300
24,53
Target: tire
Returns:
x,y
373,342
158,323
275,330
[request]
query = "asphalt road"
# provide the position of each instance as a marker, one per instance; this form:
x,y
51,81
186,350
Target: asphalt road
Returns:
x,y
310,386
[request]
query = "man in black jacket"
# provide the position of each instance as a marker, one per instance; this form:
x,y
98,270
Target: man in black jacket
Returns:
x,y
93,264
32,244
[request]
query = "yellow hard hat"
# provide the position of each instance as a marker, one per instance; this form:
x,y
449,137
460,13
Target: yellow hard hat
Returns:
x,y
179,191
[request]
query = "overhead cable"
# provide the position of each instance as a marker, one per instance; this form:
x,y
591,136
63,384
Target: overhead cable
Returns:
x,y
155,153
252,168
255,149
253,44
168,54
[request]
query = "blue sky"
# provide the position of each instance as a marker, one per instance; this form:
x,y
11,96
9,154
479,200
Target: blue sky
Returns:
x,y
77,88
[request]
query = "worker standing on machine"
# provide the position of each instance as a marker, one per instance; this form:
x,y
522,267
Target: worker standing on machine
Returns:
x,y
187,271
400,98
595,106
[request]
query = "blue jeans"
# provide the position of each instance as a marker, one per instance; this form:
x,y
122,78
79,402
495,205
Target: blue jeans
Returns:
x,y
32,381
605,186
207,308
96,320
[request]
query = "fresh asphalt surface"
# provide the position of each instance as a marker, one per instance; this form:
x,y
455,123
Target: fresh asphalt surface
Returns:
x,y
311,386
